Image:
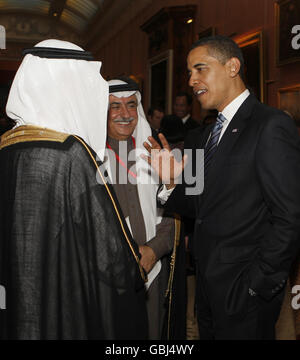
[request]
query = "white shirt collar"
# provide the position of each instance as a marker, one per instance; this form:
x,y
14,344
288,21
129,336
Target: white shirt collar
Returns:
x,y
184,119
231,109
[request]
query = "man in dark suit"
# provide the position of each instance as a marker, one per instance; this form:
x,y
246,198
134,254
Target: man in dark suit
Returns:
x,y
182,108
155,116
247,226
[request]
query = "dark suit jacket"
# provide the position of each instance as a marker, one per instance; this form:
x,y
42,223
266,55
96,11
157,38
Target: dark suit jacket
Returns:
x,y
247,227
190,124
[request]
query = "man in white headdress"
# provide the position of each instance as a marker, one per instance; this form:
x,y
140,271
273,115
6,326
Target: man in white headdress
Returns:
x,y
67,260
136,189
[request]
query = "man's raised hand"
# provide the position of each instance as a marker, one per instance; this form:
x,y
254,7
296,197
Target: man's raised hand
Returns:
x,y
163,161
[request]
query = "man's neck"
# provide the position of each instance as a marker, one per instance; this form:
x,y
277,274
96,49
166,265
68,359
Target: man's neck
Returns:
x,y
114,139
230,110
114,143
235,93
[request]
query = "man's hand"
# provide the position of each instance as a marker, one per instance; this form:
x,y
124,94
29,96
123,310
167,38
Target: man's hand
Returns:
x,y
163,161
148,258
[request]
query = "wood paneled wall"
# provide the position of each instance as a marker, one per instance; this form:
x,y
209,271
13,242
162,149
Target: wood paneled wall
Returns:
x,y
126,52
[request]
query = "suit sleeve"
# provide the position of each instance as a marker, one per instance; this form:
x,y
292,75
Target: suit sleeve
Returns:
x,y
180,201
278,170
162,243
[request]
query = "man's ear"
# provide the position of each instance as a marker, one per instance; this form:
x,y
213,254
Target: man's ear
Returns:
x,y
233,67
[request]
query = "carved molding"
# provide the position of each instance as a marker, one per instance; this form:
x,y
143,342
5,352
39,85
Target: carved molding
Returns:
x,y
28,27
34,28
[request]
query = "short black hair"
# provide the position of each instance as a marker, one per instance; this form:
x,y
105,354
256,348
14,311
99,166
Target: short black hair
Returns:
x,y
223,49
153,108
188,97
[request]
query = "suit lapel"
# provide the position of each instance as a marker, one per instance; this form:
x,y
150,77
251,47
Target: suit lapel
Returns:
x,y
205,136
227,142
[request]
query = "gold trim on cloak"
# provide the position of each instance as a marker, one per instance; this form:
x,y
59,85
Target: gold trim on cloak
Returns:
x,y
169,290
143,275
27,133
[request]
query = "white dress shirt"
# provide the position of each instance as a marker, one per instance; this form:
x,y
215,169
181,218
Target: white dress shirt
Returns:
x,y
231,109
184,119
228,112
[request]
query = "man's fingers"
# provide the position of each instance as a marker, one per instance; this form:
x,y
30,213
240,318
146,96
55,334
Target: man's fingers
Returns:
x,y
184,160
147,147
154,143
146,158
164,142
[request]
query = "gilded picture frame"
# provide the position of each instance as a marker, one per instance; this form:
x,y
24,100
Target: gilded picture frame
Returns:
x,y
161,80
252,46
289,101
287,16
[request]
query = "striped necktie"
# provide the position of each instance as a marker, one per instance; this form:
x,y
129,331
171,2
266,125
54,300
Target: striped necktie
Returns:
x,y
212,143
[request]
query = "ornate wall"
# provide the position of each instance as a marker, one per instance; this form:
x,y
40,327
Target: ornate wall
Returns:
x,y
23,30
123,47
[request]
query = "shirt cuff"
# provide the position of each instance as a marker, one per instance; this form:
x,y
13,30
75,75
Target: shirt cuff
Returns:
x,y
163,194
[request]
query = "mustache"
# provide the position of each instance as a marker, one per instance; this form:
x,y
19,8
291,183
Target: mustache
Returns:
x,y
120,119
